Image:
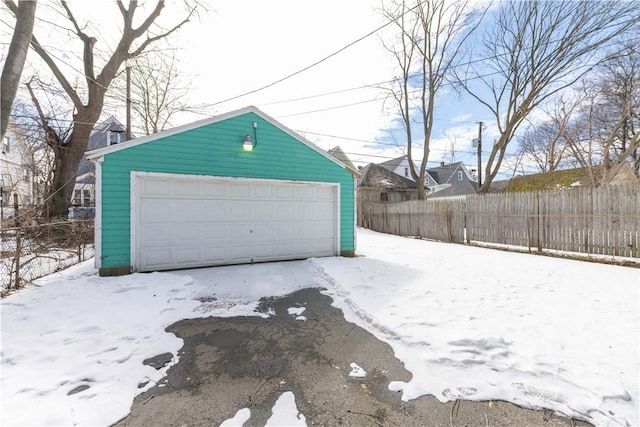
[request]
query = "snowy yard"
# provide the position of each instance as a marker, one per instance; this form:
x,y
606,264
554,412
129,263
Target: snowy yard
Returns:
x,y
467,322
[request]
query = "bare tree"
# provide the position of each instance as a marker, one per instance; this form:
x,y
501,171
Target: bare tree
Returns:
x,y
618,86
158,91
431,37
25,14
543,143
602,136
536,49
88,101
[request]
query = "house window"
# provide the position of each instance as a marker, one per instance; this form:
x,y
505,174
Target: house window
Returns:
x,y
114,137
76,197
459,175
6,146
406,172
86,197
406,197
384,197
26,175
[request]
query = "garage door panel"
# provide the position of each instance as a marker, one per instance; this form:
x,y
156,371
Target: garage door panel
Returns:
x,y
305,211
285,193
264,191
187,233
185,189
213,189
264,211
263,231
239,253
238,232
186,222
323,229
285,229
188,210
324,193
323,212
155,210
186,255
239,191
304,193
155,234
157,187
240,210
285,210
213,232
156,257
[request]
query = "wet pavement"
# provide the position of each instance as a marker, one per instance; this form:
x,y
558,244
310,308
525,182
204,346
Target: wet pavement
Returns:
x,y
227,364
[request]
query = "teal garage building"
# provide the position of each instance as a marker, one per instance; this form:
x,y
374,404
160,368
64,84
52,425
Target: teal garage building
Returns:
x,y
231,189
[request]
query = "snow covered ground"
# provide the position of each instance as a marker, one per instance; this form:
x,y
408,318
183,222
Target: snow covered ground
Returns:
x,y
467,322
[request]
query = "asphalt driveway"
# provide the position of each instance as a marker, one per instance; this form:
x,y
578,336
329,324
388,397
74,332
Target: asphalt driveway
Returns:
x,y
228,364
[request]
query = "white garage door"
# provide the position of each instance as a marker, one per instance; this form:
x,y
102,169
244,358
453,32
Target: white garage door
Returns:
x,y
183,221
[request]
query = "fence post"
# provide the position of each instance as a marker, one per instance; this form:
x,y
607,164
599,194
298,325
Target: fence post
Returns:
x,y
538,214
17,257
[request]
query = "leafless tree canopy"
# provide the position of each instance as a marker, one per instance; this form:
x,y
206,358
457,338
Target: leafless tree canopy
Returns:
x,y
431,37
596,125
158,90
88,96
536,49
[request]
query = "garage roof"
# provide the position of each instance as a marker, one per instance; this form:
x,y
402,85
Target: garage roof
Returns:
x,y
97,154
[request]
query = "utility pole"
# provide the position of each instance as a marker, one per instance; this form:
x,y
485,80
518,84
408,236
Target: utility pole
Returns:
x,y
128,102
480,124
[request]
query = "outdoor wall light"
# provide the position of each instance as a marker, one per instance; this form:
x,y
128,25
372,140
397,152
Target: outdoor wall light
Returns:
x,y
249,145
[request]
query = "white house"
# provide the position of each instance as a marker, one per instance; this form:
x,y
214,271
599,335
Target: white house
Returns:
x,y
17,184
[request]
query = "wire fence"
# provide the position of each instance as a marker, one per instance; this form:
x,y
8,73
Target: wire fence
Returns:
x,y
28,252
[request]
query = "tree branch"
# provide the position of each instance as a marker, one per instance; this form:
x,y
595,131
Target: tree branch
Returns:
x,y
52,138
69,90
88,43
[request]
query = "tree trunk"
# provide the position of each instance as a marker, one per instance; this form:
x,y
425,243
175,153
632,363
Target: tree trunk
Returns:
x,y
420,186
16,56
68,157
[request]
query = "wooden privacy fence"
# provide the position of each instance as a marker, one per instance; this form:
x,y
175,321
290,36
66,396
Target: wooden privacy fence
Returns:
x,y
604,220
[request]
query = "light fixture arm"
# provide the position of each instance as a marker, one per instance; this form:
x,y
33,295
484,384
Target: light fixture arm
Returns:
x,y
255,134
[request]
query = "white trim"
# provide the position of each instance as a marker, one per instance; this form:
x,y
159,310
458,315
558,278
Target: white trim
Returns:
x,y
338,207
134,188
95,154
137,176
355,215
97,225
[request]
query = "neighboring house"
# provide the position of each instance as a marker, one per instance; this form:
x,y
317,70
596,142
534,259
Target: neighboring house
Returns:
x,y
17,183
340,155
453,180
109,132
401,166
231,189
444,181
377,184
567,178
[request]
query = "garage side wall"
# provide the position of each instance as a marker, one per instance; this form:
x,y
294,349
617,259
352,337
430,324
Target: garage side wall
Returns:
x,y
215,150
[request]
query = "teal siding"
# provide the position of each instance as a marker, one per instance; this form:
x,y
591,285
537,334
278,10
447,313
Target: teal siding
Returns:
x,y
215,149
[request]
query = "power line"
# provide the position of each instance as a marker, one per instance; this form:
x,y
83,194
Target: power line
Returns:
x,y
369,34
329,108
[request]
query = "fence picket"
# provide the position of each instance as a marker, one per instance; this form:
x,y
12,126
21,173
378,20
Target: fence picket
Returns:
x,y
604,220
